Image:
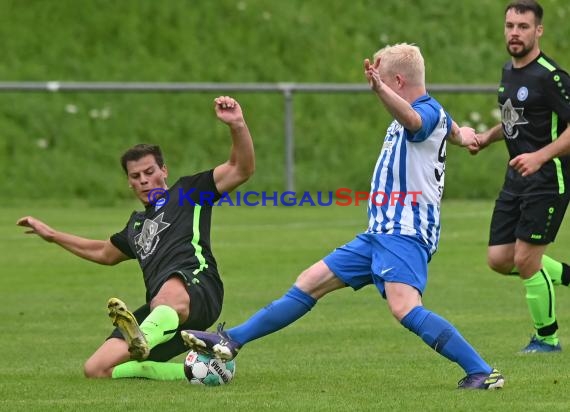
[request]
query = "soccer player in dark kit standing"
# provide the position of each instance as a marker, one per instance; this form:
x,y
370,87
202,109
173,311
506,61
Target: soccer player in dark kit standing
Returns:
x,y
171,241
534,98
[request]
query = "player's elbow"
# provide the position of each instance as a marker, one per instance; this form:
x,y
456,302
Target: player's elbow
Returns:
x,y
244,172
249,171
109,255
111,260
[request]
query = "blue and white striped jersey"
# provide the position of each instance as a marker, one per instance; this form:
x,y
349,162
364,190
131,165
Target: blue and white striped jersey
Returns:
x,y
408,179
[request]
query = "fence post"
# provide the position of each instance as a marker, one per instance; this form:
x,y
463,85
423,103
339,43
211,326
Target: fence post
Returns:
x,y
289,139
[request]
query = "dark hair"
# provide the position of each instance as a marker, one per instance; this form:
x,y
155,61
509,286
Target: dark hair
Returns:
x,y
522,6
139,151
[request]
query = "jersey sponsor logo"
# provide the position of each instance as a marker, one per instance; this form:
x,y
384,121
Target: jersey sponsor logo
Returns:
x,y
388,146
159,203
393,130
511,117
522,94
148,239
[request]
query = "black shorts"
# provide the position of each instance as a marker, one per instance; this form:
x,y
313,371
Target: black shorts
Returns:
x,y
206,297
531,218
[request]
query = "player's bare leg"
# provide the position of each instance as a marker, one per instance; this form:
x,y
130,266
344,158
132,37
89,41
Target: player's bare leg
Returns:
x,y
112,352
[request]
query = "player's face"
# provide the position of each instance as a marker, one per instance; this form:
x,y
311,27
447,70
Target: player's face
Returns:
x,y
144,175
521,33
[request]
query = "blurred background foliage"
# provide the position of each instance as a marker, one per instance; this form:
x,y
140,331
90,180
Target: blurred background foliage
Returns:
x,y
61,146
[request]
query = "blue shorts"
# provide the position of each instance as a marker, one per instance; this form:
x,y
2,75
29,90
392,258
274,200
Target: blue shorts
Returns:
x,y
378,258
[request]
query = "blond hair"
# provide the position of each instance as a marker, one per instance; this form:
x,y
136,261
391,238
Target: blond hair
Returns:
x,y
405,59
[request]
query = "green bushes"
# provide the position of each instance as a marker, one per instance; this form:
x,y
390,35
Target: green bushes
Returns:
x,y
66,145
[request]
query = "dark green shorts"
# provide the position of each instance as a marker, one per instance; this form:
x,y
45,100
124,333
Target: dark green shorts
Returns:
x,y
532,218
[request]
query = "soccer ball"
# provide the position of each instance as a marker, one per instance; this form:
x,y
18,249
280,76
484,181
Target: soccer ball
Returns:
x,y
201,369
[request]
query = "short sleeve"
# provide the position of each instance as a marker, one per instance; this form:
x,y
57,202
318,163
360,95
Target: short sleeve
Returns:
x,y
121,241
430,118
200,187
557,89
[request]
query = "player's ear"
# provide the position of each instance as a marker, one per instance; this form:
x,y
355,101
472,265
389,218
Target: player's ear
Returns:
x,y
400,80
539,30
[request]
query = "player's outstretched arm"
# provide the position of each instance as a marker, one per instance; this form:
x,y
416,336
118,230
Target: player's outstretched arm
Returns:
x,y
241,163
98,251
462,136
484,139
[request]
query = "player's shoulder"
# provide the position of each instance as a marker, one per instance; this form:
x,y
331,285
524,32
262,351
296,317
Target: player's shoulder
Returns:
x,y
547,67
427,101
432,107
203,180
551,73
508,66
548,63
542,67
199,176
135,215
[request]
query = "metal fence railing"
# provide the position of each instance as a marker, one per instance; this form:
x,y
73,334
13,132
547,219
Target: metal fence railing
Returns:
x,y
286,89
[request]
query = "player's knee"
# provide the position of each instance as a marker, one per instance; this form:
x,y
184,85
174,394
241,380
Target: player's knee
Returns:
x,y
180,305
500,264
400,309
527,264
180,302
92,369
318,281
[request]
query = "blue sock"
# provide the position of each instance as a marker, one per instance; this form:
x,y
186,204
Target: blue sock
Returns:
x,y
275,316
442,336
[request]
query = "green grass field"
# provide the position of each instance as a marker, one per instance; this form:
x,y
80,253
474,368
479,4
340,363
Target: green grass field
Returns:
x,y
347,354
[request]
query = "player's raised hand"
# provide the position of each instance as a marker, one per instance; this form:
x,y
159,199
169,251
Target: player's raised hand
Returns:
x,y
372,74
228,110
37,227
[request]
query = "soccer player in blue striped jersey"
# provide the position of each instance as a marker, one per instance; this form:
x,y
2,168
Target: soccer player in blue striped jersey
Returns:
x,y
534,99
171,241
403,233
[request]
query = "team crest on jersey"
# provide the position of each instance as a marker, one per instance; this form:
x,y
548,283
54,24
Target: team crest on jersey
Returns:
x,y
512,116
148,239
159,203
522,94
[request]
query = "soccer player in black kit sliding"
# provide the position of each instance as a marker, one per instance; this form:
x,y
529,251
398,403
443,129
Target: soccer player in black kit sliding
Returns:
x,y
171,241
534,98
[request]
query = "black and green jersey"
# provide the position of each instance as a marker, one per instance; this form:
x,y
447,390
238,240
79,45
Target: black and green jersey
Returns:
x,y
174,233
535,109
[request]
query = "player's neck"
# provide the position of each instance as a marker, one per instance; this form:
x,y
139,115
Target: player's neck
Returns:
x,y
519,62
415,93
